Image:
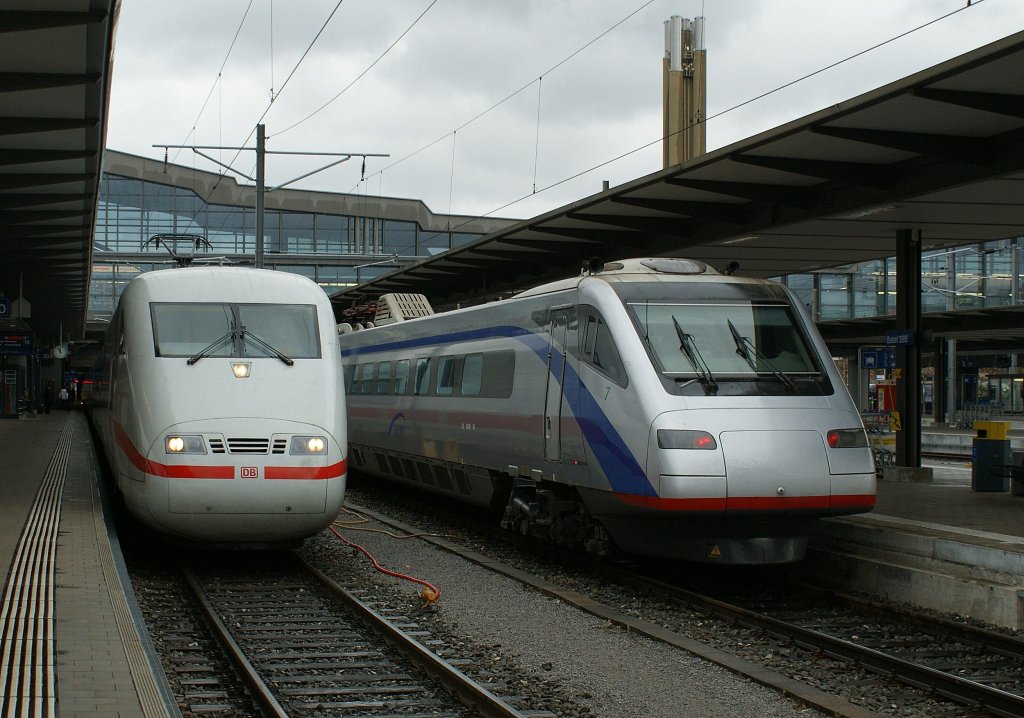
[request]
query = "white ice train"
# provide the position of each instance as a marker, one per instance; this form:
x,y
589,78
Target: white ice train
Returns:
x,y
654,405
219,402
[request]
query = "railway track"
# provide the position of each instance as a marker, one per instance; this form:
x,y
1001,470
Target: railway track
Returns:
x,y
975,668
306,646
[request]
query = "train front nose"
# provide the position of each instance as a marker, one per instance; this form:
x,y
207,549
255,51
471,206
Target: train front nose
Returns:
x,y
259,480
756,462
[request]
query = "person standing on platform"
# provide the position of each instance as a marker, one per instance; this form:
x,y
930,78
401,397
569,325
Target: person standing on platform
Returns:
x,y
48,397
63,397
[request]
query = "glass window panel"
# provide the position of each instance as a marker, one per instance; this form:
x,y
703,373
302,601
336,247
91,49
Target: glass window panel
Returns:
x,y
445,375
383,377
289,328
182,330
399,237
472,373
402,377
834,296
431,243
296,233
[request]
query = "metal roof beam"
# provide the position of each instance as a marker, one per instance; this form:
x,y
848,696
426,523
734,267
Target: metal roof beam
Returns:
x,y
1010,105
665,225
22,81
31,217
961,149
20,201
42,179
22,20
731,212
789,195
865,175
24,157
31,125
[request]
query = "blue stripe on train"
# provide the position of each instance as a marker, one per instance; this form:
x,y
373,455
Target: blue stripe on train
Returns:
x,y
620,467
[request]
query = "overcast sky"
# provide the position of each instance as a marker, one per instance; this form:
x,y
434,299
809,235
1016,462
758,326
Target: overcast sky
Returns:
x,y
422,102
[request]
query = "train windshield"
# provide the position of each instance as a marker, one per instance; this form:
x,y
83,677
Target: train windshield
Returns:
x,y
729,340
210,329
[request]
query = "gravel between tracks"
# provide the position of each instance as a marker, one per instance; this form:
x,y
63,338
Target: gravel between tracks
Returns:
x,y
551,645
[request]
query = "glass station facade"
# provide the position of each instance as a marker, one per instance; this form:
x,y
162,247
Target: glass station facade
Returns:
x,y
336,240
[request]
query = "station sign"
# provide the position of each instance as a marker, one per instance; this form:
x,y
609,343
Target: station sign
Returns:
x,y
879,358
900,338
5,308
15,343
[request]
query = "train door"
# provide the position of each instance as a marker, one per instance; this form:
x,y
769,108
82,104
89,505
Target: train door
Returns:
x,y
558,330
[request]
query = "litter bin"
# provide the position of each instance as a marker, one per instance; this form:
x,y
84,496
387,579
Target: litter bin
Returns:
x,y
990,455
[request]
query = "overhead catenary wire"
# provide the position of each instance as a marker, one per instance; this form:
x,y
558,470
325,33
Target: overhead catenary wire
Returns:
x,y
219,77
733,108
361,74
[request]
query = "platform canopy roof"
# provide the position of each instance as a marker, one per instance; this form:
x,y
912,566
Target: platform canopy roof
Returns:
x,y
55,66
941,151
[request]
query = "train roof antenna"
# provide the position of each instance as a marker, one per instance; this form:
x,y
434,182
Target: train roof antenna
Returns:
x,y
177,246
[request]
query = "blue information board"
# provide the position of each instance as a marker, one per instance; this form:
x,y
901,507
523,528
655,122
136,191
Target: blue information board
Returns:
x,y
880,358
15,343
900,338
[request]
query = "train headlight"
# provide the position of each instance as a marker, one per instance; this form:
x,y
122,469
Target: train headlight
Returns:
x,y
177,444
846,438
241,369
683,439
308,445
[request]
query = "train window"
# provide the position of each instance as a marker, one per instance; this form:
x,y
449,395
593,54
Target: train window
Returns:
x,y
350,375
734,339
291,329
422,385
498,374
366,384
183,329
383,377
472,373
445,375
401,377
599,350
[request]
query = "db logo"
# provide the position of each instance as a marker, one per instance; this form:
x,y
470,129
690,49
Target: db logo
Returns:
x,y
250,472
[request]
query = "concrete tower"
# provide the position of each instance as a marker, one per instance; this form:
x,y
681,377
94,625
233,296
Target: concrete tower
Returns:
x,y
684,90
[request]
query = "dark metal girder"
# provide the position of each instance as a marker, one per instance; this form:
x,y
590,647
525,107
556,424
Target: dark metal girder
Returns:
x,y
22,81
668,225
66,231
1010,105
582,234
31,217
789,196
874,176
41,179
20,201
31,125
732,213
961,149
22,20
24,157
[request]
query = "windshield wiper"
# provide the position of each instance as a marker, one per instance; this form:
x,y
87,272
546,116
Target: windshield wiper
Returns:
x,y
203,353
247,335
689,348
744,347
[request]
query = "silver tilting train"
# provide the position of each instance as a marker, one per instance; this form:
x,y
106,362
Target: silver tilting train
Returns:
x,y
219,403
653,406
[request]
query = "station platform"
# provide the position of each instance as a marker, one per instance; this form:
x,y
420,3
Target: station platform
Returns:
x,y
69,644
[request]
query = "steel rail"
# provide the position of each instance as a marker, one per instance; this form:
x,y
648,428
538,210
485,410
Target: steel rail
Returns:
x,y
461,686
260,690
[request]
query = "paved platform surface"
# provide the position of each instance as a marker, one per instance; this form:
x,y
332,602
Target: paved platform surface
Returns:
x,y
70,645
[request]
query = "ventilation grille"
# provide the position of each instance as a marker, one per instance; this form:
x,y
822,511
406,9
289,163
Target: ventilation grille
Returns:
x,y
216,446
280,446
248,446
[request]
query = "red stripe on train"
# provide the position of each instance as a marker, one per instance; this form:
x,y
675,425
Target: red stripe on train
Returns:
x,y
750,503
178,471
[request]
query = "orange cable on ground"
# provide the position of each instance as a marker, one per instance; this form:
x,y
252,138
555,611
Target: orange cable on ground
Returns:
x,y
429,593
